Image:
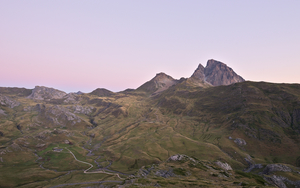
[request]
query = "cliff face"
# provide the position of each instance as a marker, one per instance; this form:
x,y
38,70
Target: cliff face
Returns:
x,y
218,73
199,73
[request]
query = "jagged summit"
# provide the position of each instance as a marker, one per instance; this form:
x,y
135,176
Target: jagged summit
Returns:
x,y
216,73
42,92
159,83
199,73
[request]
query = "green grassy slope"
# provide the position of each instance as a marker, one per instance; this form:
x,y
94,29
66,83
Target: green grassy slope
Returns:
x,y
131,129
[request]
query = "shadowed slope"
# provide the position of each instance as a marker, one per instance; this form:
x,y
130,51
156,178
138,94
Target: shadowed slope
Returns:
x,y
158,84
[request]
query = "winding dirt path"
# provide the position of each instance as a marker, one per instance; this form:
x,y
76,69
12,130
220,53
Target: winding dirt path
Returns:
x,y
91,166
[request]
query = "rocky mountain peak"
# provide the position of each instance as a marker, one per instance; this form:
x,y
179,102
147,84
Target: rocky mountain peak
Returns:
x,y
199,73
161,77
42,93
159,83
218,73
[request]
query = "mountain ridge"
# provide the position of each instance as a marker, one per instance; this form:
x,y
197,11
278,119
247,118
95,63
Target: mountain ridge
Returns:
x,y
244,133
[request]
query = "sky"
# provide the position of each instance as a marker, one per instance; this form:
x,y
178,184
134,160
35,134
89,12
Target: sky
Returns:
x,y
74,45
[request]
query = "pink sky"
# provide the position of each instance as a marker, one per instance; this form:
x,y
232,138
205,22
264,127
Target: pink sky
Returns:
x,y
83,45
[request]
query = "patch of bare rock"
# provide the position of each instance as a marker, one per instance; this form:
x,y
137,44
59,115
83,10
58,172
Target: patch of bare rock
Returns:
x,y
45,93
7,101
78,109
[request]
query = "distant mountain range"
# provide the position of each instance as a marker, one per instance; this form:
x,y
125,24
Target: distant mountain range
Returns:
x,y
213,129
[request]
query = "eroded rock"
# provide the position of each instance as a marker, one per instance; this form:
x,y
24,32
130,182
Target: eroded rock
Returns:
x,y
7,101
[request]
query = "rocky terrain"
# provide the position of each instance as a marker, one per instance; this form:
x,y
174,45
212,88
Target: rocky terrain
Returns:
x,y
212,130
216,73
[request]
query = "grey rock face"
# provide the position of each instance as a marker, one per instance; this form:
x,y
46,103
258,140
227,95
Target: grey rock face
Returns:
x,y
199,73
216,73
71,98
277,181
180,157
240,142
7,101
58,113
276,167
43,93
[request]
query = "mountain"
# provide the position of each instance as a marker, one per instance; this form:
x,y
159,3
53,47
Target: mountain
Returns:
x,y
45,93
188,133
216,73
158,84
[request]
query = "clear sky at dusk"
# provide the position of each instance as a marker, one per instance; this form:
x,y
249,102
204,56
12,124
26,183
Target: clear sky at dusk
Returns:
x,y
117,44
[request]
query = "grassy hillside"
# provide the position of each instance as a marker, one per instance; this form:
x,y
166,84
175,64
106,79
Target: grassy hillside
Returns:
x,y
126,131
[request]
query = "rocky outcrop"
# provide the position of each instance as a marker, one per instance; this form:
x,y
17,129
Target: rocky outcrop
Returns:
x,y
56,115
240,142
165,173
276,167
224,166
281,181
158,84
180,157
276,180
45,93
40,145
61,116
251,164
77,109
7,101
